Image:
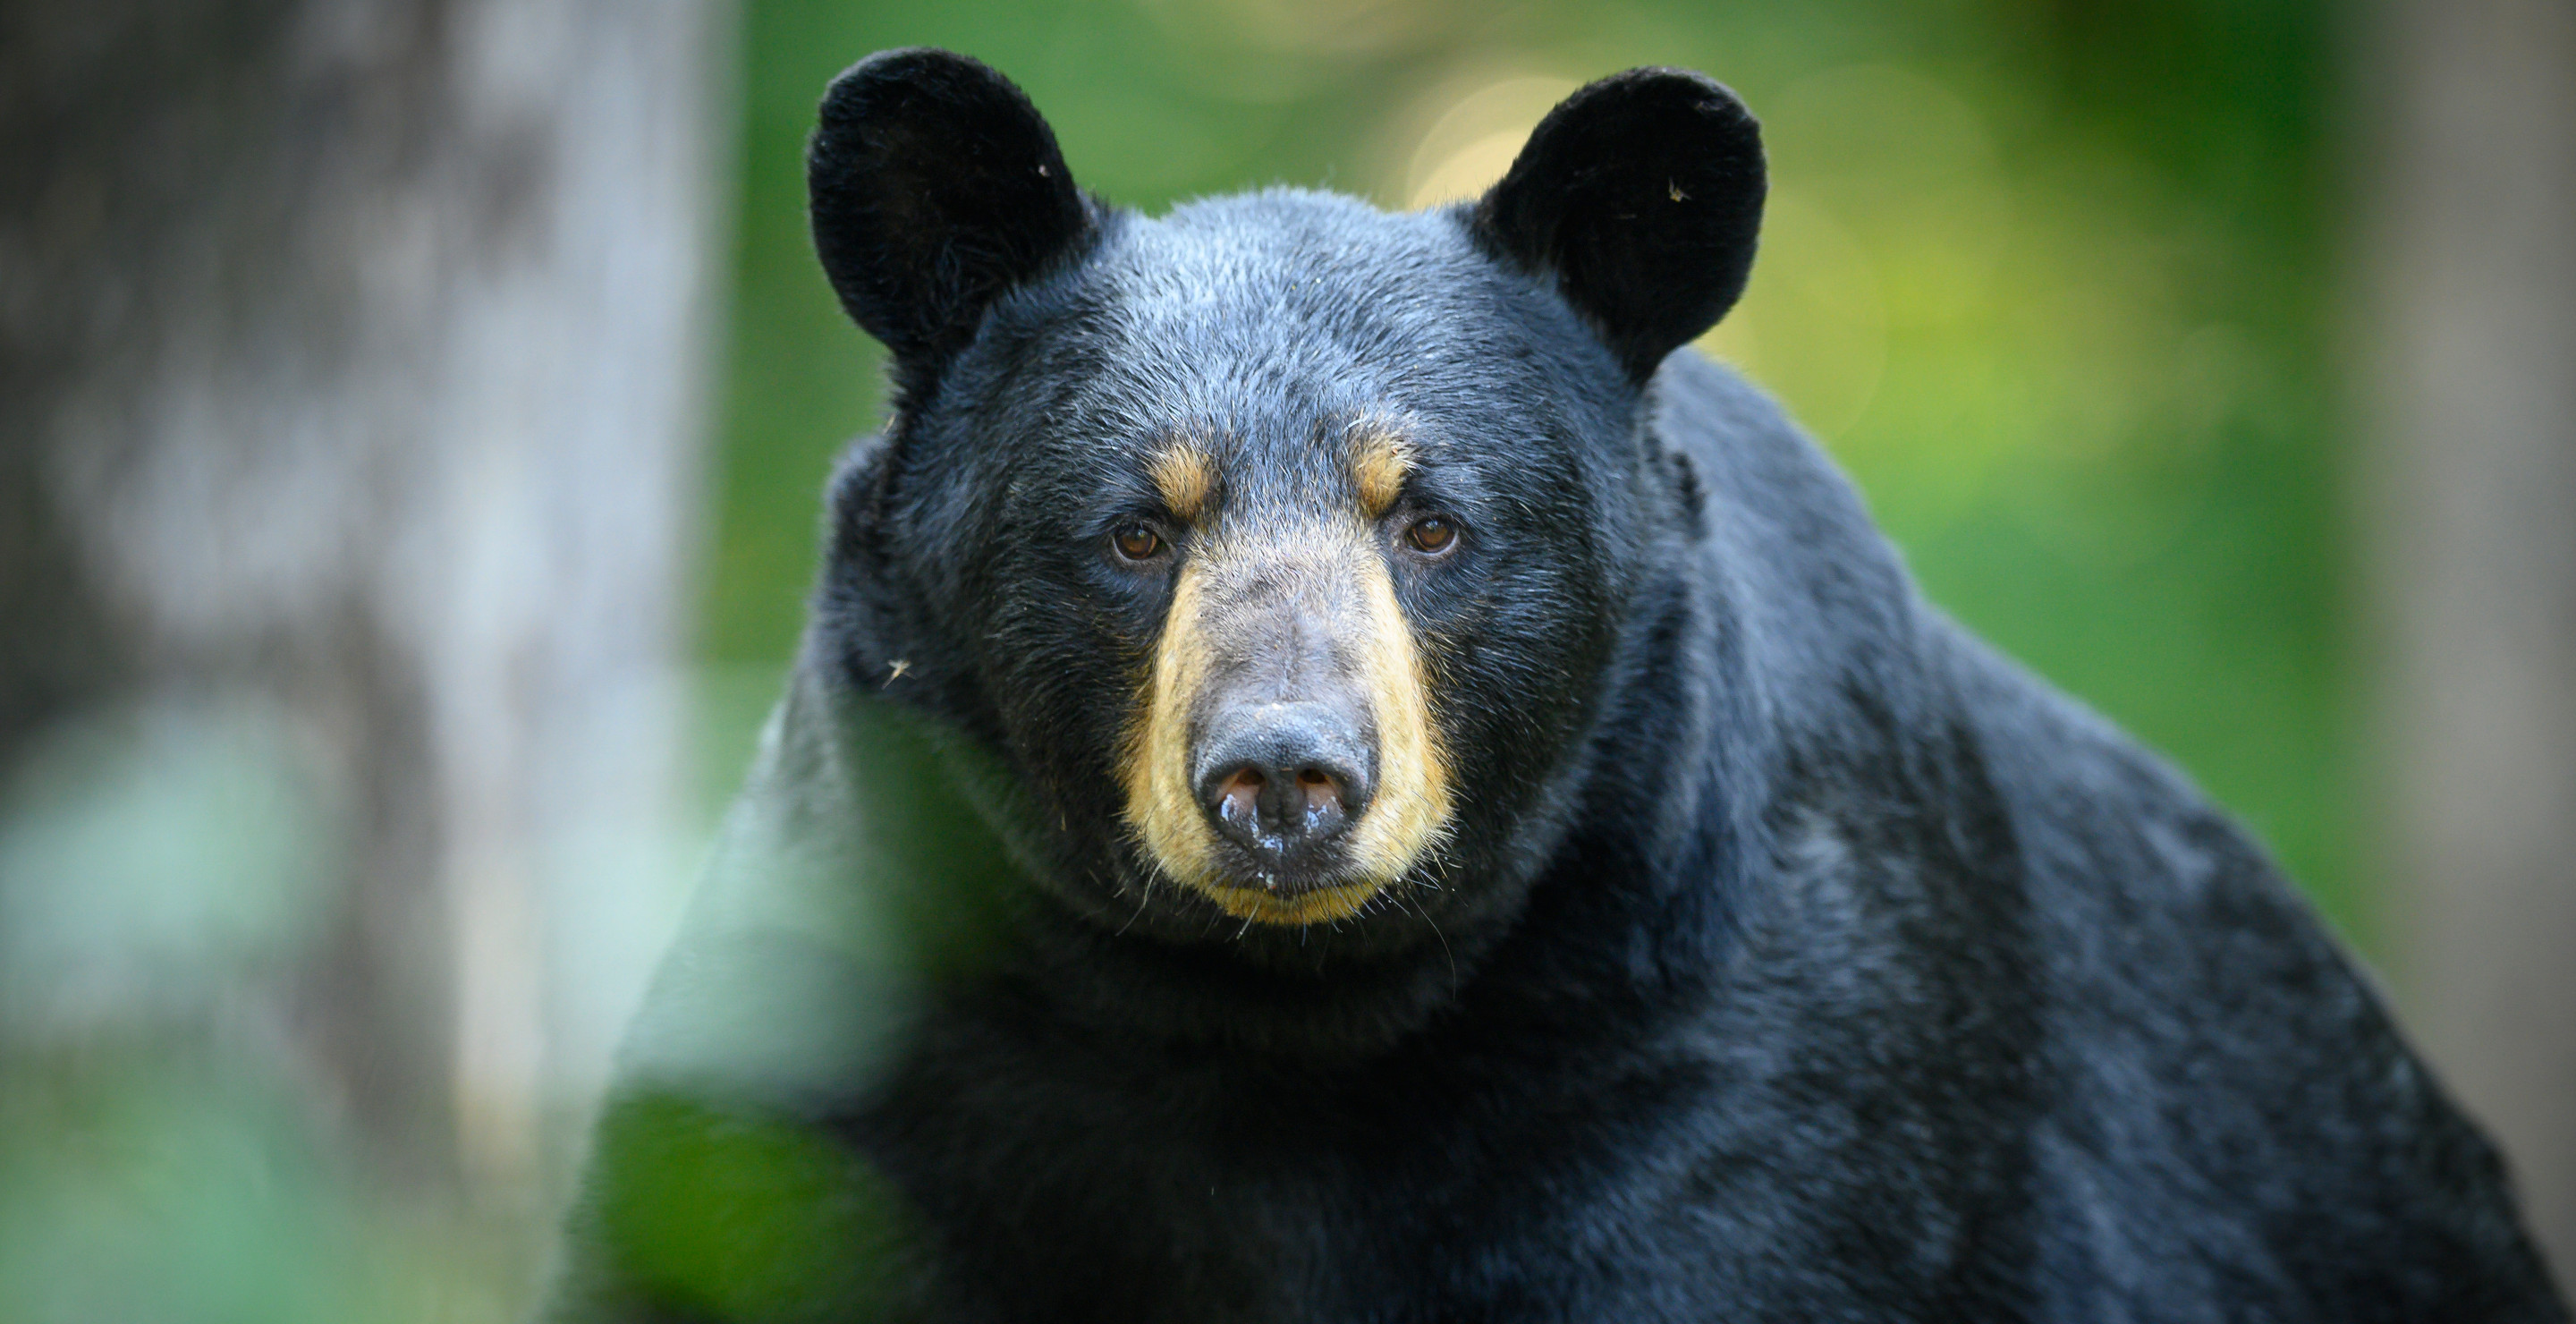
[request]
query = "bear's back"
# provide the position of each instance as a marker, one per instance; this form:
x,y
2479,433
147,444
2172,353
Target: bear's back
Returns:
x,y
2232,1114
2225,1111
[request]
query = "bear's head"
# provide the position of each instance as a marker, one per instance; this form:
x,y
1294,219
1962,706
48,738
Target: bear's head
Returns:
x,y
1272,557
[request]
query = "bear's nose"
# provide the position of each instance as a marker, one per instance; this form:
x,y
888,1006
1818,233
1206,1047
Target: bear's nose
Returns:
x,y
1279,778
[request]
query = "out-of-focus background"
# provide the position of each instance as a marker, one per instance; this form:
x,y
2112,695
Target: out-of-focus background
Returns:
x,y
412,414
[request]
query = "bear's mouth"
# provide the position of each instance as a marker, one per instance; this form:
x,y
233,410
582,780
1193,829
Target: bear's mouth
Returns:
x,y
1302,885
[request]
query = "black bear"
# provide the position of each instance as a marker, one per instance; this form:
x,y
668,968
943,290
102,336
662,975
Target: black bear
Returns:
x,y
1339,772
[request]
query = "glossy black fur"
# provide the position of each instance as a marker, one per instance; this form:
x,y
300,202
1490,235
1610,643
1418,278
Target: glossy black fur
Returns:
x,y
1634,181
936,187
1796,958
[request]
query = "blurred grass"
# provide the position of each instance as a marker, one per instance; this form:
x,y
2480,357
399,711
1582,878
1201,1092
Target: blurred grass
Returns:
x,y
2048,276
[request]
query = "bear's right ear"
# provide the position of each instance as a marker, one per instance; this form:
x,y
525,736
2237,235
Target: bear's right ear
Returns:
x,y
935,188
1641,194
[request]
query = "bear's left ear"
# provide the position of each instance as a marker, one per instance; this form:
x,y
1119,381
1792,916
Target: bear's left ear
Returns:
x,y
935,188
1641,194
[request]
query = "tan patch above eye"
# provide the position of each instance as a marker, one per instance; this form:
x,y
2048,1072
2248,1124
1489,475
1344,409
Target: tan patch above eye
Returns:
x,y
1185,478
1380,458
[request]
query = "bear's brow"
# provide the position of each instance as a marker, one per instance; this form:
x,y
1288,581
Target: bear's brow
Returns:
x,y
1185,478
1380,457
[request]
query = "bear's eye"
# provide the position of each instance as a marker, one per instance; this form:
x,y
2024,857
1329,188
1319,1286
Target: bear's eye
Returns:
x,y
1431,535
1135,541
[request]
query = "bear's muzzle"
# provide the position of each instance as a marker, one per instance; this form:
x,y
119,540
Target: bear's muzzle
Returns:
x,y
1284,761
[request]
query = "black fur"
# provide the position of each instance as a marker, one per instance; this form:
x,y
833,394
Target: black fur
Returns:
x,y
936,187
1642,194
1795,958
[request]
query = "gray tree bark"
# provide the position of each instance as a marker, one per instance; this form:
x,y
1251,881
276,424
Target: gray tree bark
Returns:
x,y
2469,401
351,374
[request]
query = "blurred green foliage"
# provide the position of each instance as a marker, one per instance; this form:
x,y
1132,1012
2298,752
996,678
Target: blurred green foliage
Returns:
x,y
2048,276
742,1219
179,1183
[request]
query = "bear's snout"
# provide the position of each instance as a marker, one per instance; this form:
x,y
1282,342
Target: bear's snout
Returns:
x,y
1283,780
1283,761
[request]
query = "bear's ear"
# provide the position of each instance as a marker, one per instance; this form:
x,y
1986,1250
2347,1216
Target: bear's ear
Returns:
x,y
1642,194
935,188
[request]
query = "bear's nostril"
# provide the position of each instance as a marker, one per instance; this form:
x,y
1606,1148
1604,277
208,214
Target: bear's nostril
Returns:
x,y
1241,799
1323,797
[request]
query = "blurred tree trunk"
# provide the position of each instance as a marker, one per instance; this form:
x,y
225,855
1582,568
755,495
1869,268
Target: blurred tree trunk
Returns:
x,y
350,367
2471,520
